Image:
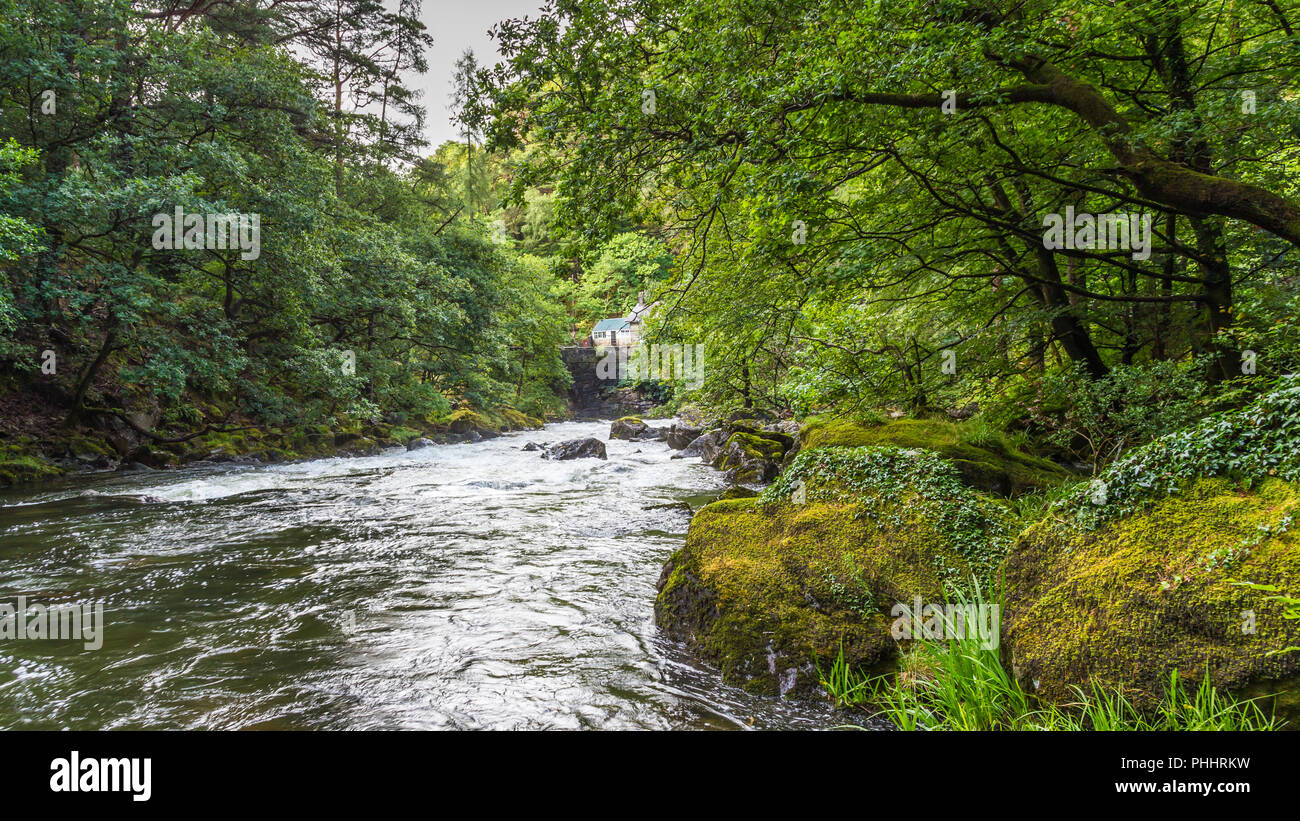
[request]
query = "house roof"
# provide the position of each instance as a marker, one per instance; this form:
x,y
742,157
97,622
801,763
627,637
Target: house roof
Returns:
x,y
618,323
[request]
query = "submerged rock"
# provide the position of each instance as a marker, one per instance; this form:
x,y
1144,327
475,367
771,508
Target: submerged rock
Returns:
x,y
588,448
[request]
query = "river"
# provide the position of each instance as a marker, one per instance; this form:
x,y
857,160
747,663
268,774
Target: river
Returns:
x,y
457,586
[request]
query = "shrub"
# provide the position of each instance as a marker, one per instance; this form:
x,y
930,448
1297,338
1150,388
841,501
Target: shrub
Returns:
x,y
1095,420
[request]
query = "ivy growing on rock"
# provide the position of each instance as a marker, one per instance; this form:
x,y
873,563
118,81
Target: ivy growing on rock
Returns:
x,y
1246,445
889,484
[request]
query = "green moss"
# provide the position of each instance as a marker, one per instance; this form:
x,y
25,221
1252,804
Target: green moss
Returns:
x,y
496,420
763,587
79,443
993,464
891,484
515,420
403,434
635,419
1124,604
737,493
1247,445
20,463
751,446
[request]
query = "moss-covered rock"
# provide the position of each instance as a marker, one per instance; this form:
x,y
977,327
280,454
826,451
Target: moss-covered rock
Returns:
x,y
985,462
1161,589
763,586
21,462
403,434
1248,444
737,493
485,422
751,457
629,427
512,419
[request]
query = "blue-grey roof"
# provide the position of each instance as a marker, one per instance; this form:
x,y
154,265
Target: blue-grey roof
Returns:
x,y
615,324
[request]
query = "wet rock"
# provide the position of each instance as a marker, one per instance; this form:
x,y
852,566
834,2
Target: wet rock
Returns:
x,y
681,435
421,442
680,507
152,457
708,445
630,428
532,446
97,461
588,448
751,458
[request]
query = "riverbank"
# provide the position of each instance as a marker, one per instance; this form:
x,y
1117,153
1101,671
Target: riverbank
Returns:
x,y
123,442
1176,563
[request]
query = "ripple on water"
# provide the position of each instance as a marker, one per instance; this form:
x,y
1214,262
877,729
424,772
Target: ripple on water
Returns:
x,y
467,586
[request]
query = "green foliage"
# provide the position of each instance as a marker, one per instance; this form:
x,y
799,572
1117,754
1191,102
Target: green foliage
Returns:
x,y
960,685
1095,420
623,267
890,484
364,299
1246,445
986,459
842,238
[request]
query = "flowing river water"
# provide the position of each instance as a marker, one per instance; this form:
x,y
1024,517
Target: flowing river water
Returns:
x,y
456,586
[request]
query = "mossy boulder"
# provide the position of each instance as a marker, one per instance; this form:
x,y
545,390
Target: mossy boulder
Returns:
x,y
21,462
628,427
766,588
750,457
1161,589
986,462
485,422
737,492
512,419
465,420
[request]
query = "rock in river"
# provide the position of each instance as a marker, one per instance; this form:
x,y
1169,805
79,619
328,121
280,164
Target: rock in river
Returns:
x,y
589,448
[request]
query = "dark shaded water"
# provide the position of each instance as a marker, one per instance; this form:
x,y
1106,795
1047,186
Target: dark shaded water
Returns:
x,y
464,586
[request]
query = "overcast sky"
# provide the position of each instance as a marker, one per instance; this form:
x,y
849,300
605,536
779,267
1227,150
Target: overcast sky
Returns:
x,y
455,26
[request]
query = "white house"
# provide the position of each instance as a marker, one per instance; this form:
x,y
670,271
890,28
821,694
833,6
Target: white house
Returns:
x,y
623,330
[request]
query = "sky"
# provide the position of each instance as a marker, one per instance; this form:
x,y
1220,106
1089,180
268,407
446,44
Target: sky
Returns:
x,y
455,26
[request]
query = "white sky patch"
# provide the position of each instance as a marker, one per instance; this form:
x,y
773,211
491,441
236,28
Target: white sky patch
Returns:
x,y
456,25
